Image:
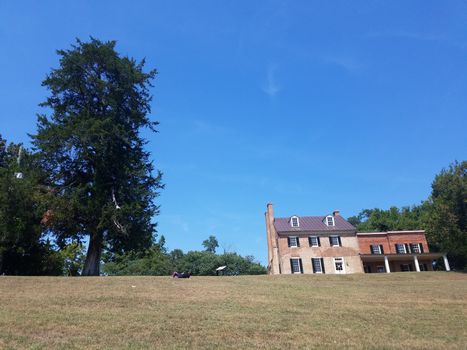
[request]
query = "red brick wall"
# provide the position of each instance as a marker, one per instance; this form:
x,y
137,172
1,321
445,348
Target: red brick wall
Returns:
x,y
389,240
366,241
416,237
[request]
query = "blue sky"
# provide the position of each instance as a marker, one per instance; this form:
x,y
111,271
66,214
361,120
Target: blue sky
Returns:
x,y
313,106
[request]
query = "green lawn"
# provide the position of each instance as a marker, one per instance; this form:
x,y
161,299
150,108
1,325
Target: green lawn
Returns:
x,y
376,311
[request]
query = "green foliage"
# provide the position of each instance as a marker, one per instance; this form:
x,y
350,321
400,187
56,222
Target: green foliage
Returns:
x,y
200,263
100,177
149,262
176,257
22,251
211,244
447,222
161,244
204,263
72,256
238,265
405,218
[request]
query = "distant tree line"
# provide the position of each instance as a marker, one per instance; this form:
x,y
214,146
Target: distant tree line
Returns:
x,y
158,262
443,215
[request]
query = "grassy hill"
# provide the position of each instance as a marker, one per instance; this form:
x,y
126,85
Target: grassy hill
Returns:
x,y
391,311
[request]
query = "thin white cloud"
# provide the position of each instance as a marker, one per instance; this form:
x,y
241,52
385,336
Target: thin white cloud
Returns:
x,y
271,86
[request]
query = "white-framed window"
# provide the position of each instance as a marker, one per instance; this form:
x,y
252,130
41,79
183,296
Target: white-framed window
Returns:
x,y
334,241
339,265
293,241
329,220
376,249
294,221
416,248
400,248
296,265
314,241
380,269
317,264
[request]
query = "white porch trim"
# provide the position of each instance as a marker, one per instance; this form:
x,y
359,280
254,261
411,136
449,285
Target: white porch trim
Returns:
x,y
417,266
386,264
446,263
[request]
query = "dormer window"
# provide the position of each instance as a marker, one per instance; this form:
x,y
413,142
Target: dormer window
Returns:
x,y
294,222
330,220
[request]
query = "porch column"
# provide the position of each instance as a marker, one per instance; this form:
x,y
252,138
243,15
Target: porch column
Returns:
x,y
415,260
386,264
446,263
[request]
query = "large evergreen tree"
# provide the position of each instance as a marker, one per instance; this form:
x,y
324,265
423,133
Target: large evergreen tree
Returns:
x,y
100,178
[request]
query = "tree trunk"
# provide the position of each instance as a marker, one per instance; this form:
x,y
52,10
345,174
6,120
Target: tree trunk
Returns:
x,y
93,256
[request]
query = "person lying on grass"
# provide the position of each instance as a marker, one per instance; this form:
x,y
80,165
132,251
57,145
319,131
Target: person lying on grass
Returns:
x,y
181,275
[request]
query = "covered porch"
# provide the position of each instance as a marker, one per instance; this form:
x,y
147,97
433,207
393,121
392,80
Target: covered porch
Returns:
x,y
378,263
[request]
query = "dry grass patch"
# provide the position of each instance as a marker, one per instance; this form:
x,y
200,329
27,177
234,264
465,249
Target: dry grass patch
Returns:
x,y
387,311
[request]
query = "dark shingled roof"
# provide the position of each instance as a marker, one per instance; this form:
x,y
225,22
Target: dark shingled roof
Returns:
x,y
312,223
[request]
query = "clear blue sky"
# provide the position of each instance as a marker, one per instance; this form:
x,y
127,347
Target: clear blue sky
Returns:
x,y
314,106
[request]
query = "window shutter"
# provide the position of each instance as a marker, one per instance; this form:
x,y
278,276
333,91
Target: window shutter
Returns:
x,y
371,249
340,242
288,241
309,241
421,247
322,265
291,266
381,249
407,248
330,241
301,265
298,242
313,266
319,242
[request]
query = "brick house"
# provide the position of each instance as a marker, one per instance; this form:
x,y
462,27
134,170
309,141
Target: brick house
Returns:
x,y
396,251
312,244
330,244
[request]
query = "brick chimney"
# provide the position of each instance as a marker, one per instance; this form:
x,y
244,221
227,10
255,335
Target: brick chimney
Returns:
x,y
270,210
336,213
273,253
